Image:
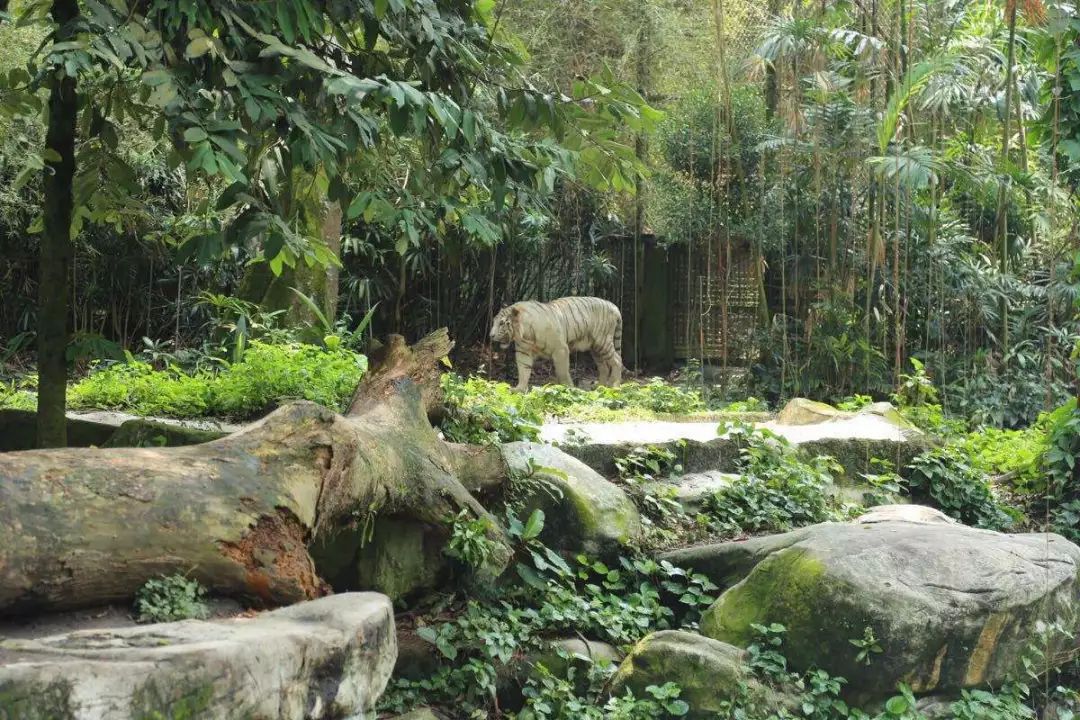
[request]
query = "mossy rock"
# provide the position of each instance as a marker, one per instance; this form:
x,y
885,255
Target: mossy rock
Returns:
x,y
587,513
711,674
802,411
719,455
857,455
152,433
727,563
952,607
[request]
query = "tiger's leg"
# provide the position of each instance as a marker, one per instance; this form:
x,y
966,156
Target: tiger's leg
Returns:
x,y
524,368
612,366
561,358
601,369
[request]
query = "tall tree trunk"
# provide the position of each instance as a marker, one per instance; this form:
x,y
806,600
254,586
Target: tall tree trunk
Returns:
x,y
642,80
1002,203
56,248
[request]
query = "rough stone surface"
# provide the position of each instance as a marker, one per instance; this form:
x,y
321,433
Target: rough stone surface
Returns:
x,y
905,513
710,673
154,433
953,607
726,563
692,489
801,411
593,515
328,658
854,441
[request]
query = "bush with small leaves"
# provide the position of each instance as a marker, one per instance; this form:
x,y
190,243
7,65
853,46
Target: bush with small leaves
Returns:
x,y
171,598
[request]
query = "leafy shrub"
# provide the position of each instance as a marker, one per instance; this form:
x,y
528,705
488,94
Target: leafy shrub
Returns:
x,y
1013,453
137,387
854,403
266,375
469,541
776,490
618,604
548,697
640,470
483,412
749,405
167,599
956,487
15,397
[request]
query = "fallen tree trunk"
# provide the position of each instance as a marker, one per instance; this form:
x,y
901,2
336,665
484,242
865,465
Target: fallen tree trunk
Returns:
x,y
80,528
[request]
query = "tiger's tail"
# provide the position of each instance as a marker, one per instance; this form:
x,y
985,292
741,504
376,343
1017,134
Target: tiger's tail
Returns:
x,y
616,339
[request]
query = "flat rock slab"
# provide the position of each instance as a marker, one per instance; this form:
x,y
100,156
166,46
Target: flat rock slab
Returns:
x,y
864,426
328,658
117,418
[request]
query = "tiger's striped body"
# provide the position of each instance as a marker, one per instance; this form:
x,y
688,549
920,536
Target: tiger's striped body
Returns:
x,y
557,328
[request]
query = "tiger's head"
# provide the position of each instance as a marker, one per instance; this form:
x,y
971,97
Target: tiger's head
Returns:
x,y
502,328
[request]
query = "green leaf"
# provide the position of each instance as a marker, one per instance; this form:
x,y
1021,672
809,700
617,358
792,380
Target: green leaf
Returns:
x,y
485,10
199,47
153,78
195,134
534,525
896,705
327,326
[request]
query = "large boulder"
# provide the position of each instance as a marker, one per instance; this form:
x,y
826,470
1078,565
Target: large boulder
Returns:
x,y
726,563
951,606
801,411
693,490
328,658
586,514
711,674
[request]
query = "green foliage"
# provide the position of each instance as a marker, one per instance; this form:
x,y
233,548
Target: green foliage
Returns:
x,y
776,490
854,403
946,477
548,697
641,467
868,646
167,599
267,374
1010,702
469,541
1015,454
484,411
14,396
618,604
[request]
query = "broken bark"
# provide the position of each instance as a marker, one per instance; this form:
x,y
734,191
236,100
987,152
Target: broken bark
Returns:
x,y
85,527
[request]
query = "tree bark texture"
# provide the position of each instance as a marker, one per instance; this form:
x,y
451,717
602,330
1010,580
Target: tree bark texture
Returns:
x,y
55,255
80,528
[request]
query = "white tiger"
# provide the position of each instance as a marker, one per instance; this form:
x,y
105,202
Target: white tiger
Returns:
x,y
554,329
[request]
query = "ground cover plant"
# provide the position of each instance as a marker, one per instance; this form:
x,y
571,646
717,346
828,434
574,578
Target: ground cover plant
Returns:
x,y
265,376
